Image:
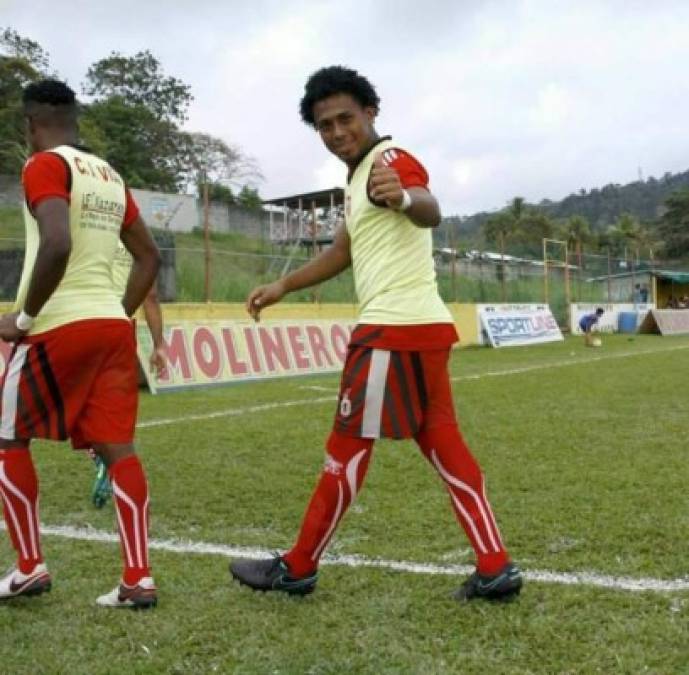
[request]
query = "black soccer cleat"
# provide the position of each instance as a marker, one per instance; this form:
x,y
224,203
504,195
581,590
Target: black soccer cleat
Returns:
x,y
272,575
504,586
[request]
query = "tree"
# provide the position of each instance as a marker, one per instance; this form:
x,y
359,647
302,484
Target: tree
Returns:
x,y
139,81
499,228
26,50
249,198
148,152
211,159
22,61
576,231
136,111
534,226
673,227
217,192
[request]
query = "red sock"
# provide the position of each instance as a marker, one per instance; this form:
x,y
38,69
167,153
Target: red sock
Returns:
x,y
345,467
445,448
19,492
130,493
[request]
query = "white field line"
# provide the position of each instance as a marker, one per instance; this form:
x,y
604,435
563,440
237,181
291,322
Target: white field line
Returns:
x,y
543,576
233,412
568,362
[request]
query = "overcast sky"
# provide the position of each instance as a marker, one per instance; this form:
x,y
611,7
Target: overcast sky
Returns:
x,y
497,99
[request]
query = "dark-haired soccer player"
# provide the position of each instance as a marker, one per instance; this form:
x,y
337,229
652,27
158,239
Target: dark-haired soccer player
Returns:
x,y
395,382
73,373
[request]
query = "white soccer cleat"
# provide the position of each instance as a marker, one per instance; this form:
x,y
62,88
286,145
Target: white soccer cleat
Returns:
x,y
141,596
15,583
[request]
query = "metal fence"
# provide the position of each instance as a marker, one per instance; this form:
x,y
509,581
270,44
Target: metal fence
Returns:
x,y
203,270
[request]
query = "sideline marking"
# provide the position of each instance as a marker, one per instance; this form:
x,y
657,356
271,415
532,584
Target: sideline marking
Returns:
x,y
233,412
587,578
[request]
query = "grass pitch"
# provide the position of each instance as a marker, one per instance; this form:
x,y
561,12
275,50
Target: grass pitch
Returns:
x,y
585,453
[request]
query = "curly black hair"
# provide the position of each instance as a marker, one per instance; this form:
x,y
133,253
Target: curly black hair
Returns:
x,y
49,92
336,80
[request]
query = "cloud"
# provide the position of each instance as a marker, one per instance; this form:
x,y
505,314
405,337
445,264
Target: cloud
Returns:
x,y
532,97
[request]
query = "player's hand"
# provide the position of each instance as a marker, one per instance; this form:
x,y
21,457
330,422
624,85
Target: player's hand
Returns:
x,y
384,184
263,296
8,328
158,361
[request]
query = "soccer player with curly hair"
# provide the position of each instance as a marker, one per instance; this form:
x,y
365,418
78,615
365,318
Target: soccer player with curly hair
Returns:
x,y
395,382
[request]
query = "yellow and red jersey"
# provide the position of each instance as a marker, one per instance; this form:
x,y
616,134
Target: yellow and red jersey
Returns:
x,y
100,206
392,259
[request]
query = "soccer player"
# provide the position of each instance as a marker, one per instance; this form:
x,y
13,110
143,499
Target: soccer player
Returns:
x,y
395,382
587,322
73,370
122,266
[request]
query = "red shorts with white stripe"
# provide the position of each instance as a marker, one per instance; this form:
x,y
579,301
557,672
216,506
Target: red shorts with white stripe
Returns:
x,y
393,394
78,381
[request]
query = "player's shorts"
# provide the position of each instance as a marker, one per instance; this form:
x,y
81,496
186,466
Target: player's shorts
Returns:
x,y
78,381
393,394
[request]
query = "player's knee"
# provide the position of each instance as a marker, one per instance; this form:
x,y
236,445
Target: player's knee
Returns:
x,y
113,452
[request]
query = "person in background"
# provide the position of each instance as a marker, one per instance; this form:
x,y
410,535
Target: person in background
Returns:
x,y
587,322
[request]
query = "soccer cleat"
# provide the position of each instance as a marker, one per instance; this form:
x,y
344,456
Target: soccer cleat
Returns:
x,y
102,489
272,575
141,596
15,583
503,586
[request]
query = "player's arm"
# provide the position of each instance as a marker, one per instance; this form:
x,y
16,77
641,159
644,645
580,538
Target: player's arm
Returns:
x,y
399,182
154,321
146,256
45,182
324,266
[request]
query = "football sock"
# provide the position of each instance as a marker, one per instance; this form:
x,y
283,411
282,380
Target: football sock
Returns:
x,y
445,448
130,493
346,464
19,492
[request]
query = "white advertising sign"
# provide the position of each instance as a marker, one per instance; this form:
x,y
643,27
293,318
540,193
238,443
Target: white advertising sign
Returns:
x,y
515,325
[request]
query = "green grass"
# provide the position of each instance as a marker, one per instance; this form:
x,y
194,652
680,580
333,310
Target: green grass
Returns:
x,y
586,467
11,228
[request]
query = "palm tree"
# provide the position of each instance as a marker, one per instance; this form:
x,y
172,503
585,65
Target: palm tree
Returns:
x,y
497,229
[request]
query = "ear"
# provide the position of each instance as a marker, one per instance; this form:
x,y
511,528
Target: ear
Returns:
x,y
29,124
371,114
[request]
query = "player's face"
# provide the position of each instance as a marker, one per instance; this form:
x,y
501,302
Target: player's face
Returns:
x,y
345,126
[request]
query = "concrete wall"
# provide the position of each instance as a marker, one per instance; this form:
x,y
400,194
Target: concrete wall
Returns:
x,y
622,288
229,218
179,213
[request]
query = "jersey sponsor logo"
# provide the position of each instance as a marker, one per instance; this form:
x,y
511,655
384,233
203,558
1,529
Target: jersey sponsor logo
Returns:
x,y
389,156
345,404
332,466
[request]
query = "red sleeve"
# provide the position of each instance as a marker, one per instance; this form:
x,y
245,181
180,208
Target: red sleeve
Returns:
x,y
409,169
131,210
45,175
